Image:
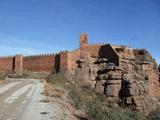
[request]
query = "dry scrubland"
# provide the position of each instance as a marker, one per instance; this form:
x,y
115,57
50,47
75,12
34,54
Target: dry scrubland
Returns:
x,y
82,102
85,104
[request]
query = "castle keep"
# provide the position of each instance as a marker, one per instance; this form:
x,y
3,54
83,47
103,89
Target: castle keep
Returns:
x,y
120,72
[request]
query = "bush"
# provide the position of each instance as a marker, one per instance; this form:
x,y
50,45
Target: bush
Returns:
x,y
29,75
98,111
86,99
2,76
55,79
59,79
154,115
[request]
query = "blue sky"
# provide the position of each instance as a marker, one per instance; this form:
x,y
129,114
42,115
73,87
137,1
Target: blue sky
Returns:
x,y
42,26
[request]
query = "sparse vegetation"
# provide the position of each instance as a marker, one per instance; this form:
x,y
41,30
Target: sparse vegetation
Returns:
x,y
56,85
28,74
54,79
154,115
59,79
97,109
2,76
93,104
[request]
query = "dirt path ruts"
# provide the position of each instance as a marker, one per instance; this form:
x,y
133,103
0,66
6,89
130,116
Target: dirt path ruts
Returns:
x,y
21,100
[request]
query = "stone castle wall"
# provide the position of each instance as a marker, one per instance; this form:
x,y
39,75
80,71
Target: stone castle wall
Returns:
x,y
44,63
100,51
73,56
7,64
65,60
31,63
68,60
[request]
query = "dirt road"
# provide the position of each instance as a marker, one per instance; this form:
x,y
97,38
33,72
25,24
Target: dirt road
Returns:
x,y
22,100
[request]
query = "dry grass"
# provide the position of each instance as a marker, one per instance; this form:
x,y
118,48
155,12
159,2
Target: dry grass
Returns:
x,y
57,87
84,98
29,75
53,91
2,76
84,103
155,115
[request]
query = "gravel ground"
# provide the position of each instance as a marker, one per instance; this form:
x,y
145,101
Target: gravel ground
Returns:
x,y
23,99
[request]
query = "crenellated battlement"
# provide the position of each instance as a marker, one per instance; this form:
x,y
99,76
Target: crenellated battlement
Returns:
x,y
40,55
97,44
66,59
5,57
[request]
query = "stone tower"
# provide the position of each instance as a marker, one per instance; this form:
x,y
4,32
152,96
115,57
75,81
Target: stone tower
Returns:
x,y
83,41
18,63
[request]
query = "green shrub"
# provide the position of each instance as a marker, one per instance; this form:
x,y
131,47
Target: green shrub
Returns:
x,y
95,105
86,99
2,76
59,79
155,115
55,79
98,111
28,74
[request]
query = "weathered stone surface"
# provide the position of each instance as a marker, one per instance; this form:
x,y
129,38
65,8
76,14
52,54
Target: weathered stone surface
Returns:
x,y
129,101
121,73
115,82
99,86
114,76
102,77
112,90
135,81
102,60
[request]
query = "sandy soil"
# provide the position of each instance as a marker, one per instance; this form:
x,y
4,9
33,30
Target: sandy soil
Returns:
x,y
22,99
57,93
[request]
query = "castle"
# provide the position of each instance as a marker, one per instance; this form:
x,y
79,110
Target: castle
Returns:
x,y
65,60
133,76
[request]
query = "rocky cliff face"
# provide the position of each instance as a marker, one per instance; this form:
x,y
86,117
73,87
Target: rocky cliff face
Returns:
x,y
134,82
140,82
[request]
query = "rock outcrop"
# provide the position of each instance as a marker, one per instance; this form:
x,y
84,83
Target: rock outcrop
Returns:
x,y
134,82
